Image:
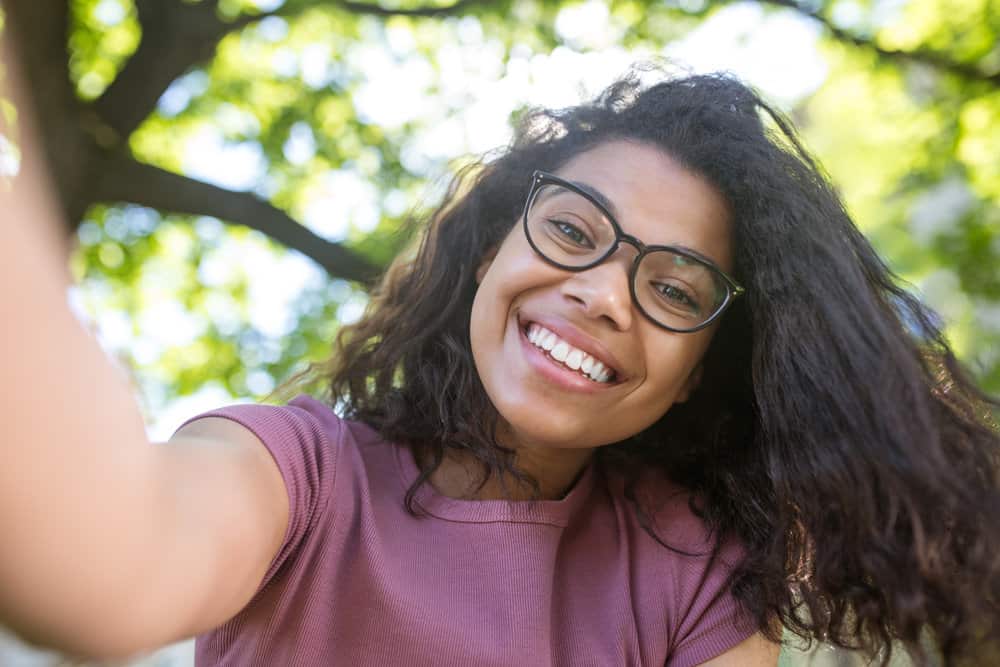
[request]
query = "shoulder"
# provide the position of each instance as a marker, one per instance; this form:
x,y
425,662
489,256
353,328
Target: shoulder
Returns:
x,y
319,456
303,418
303,427
308,440
678,554
669,514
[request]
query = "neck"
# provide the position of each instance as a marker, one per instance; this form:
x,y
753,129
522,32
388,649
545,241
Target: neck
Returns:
x,y
557,471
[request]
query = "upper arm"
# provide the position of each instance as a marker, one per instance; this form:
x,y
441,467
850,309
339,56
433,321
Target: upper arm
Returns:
x,y
186,552
222,509
755,651
225,502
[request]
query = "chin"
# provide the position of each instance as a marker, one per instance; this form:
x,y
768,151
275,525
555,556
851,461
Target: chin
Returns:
x,y
547,431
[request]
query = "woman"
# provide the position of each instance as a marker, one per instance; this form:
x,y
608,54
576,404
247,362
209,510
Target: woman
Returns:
x,y
643,395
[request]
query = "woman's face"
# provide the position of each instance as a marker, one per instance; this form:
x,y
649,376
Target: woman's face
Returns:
x,y
541,401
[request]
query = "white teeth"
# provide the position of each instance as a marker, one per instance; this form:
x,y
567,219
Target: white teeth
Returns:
x,y
563,352
596,371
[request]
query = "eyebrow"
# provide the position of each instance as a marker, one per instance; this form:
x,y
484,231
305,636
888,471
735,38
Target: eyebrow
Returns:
x,y
695,253
598,197
609,205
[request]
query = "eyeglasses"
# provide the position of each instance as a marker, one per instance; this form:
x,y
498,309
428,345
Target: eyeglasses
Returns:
x,y
673,287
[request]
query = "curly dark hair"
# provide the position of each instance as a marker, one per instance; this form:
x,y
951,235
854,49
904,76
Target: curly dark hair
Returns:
x,y
834,432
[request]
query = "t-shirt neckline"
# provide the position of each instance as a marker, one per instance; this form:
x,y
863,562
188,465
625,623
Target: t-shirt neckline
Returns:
x,y
555,512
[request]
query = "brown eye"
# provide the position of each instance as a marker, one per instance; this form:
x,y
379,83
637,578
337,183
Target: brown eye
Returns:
x,y
676,296
571,233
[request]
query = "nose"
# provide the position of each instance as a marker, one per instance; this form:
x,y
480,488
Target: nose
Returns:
x,y
602,291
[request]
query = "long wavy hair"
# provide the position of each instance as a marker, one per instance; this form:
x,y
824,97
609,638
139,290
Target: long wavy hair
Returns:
x,y
834,432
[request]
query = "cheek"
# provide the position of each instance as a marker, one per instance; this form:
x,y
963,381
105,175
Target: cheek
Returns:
x,y
491,307
479,334
514,271
656,402
671,365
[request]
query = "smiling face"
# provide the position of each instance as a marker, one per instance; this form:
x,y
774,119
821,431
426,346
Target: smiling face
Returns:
x,y
524,305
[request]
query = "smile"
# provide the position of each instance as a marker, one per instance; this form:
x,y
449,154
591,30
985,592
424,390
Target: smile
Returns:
x,y
573,358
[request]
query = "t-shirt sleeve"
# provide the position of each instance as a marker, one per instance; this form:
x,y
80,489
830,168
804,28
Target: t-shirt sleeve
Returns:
x,y
714,622
301,438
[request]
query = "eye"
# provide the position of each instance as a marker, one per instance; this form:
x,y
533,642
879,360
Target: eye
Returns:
x,y
674,295
570,232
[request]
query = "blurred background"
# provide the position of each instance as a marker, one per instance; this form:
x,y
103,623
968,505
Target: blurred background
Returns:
x,y
230,169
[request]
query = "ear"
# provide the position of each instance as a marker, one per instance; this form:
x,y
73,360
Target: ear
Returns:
x,y
692,382
486,262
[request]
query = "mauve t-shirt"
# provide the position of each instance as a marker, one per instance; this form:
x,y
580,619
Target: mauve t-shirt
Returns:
x,y
358,581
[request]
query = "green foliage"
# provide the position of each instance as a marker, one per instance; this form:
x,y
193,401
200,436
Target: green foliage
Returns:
x,y
908,148
183,301
103,34
911,146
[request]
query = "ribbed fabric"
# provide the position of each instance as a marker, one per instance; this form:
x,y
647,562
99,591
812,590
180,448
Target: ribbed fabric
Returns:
x,y
574,582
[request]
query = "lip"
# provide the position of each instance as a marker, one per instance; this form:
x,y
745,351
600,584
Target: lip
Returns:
x,y
577,339
555,372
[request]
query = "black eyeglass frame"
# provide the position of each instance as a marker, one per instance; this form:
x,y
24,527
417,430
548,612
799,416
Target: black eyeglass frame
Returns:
x,y
541,178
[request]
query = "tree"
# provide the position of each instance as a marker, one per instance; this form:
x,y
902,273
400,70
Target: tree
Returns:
x,y
905,122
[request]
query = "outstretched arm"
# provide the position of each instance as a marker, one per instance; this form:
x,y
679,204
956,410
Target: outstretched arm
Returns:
x,y
111,544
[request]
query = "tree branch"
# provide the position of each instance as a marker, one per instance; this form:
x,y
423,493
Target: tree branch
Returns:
x,y
921,55
127,180
175,37
39,32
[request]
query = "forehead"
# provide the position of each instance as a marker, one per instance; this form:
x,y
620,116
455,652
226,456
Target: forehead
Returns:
x,y
655,198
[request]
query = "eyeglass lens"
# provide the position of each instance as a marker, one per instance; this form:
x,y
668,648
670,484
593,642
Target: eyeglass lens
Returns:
x,y
675,290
